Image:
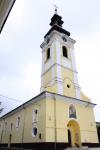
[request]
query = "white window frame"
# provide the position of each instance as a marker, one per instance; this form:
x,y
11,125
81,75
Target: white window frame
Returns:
x,y
34,115
33,135
18,122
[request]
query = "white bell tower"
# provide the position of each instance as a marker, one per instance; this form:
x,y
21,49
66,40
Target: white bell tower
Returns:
x,y
59,73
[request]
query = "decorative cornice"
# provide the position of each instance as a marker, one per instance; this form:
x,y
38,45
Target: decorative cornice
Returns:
x,y
70,99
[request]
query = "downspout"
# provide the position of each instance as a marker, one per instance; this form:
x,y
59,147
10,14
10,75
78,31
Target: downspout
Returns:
x,y
55,122
23,127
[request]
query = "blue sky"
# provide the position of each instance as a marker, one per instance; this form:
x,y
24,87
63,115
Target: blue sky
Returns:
x,y
20,53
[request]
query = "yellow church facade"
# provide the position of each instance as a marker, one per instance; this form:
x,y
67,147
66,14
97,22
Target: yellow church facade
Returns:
x,y
61,116
47,119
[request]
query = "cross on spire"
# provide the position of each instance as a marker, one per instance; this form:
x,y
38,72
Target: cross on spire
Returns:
x,y
56,7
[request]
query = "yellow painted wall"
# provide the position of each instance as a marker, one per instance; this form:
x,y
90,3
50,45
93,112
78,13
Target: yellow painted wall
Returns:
x,y
68,78
84,97
86,122
24,132
53,119
16,133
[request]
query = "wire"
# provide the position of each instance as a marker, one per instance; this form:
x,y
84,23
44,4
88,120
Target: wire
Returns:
x,y
12,99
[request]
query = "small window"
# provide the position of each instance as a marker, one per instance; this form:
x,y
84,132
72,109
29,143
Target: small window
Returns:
x,y
34,131
5,126
18,122
35,111
68,86
11,126
65,53
35,115
48,53
72,111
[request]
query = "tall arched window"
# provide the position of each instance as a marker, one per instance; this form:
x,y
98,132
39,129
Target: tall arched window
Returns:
x,y
35,115
48,53
72,111
65,52
18,122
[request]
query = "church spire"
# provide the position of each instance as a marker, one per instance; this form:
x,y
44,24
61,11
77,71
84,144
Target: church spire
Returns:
x,y
56,24
56,19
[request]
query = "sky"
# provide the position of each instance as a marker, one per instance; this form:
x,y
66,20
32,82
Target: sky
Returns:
x,y
20,52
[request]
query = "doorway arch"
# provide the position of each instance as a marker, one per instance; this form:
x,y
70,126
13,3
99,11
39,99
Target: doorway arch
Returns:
x,y
74,138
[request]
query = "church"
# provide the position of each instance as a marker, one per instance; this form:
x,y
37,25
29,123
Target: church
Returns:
x,y
61,116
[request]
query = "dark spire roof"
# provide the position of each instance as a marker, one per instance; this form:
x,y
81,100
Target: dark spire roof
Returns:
x,y
56,24
56,20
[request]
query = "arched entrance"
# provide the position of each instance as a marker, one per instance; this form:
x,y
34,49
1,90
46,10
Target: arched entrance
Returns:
x,y
74,138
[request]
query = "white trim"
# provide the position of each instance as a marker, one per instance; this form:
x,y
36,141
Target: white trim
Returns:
x,y
34,115
18,120
66,62
59,73
77,88
43,96
70,99
47,64
52,62
73,60
78,92
32,131
43,58
60,66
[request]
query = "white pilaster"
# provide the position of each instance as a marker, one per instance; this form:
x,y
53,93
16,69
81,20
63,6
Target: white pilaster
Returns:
x,y
52,61
59,73
76,84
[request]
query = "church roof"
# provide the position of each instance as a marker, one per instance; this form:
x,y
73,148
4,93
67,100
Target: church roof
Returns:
x,y
57,28
56,24
44,95
56,19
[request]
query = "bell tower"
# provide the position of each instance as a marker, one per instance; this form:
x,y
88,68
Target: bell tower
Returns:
x,y
59,73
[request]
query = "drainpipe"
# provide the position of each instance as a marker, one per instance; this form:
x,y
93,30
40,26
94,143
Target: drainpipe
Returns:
x,y
23,127
55,122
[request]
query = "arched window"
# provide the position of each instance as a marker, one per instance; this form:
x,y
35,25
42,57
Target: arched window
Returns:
x,y
35,115
11,126
72,111
65,52
48,53
18,122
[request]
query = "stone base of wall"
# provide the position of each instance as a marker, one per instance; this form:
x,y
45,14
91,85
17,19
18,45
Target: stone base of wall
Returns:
x,y
43,146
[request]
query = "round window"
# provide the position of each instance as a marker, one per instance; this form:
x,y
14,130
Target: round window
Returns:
x,y
68,85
